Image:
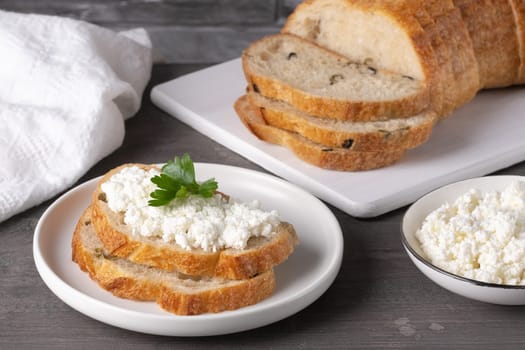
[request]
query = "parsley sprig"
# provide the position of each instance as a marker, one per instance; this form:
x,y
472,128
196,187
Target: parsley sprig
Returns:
x,y
177,181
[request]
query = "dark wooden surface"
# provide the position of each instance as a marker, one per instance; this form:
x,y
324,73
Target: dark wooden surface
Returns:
x,y
182,31
379,300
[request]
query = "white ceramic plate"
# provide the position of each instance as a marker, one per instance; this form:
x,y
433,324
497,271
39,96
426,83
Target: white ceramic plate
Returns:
x,y
416,214
303,278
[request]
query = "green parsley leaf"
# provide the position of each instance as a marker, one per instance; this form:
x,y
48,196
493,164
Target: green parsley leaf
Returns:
x,y
180,169
208,187
177,181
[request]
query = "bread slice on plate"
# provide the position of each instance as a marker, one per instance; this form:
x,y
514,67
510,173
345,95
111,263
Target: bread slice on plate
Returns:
x,y
393,134
314,153
173,291
260,254
321,82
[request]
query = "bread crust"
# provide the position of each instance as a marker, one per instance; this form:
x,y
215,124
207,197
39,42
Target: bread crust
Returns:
x,y
424,12
518,9
210,295
319,155
453,50
259,256
376,138
494,37
464,66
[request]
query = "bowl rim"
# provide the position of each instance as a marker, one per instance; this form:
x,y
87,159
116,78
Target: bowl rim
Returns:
x,y
406,244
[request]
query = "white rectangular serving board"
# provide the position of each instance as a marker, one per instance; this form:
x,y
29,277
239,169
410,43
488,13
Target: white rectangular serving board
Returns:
x,y
486,135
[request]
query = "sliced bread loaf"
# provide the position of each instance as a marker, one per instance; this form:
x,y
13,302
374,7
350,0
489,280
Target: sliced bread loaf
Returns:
x,y
173,291
443,76
323,156
320,82
393,134
260,254
410,37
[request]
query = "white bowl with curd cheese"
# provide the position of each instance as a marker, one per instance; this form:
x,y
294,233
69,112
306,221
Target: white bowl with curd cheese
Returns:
x,y
469,238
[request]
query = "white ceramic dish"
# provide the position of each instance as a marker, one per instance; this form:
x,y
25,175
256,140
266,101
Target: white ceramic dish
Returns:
x,y
304,277
480,138
486,292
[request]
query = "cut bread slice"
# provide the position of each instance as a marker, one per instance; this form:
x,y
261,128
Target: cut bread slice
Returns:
x,y
393,134
495,41
383,34
173,291
320,82
260,254
314,153
518,8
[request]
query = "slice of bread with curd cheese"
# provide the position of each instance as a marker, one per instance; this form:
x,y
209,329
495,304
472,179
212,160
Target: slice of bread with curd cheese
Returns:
x,y
195,236
173,291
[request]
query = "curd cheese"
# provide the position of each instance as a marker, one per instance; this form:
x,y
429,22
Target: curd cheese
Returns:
x,y
195,222
480,236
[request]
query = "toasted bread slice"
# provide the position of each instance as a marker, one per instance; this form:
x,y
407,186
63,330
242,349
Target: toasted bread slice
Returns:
x,y
393,134
260,255
316,154
321,82
173,291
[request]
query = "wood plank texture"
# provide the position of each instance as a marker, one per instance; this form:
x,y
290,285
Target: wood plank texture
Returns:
x,y
182,31
155,12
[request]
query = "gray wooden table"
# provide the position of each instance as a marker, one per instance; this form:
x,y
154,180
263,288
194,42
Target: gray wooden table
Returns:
x,y
379,299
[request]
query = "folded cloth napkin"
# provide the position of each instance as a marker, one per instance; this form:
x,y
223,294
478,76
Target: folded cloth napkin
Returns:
x,y
66,87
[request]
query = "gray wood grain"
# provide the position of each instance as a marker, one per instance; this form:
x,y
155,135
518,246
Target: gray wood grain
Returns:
x,y
379,300
157,12
182,31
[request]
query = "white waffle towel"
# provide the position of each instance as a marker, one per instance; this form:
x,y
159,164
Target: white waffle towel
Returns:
x,y
66,87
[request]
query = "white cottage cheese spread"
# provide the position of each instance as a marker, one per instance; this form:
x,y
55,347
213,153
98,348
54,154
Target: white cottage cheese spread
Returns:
x,y
207,223
480,236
